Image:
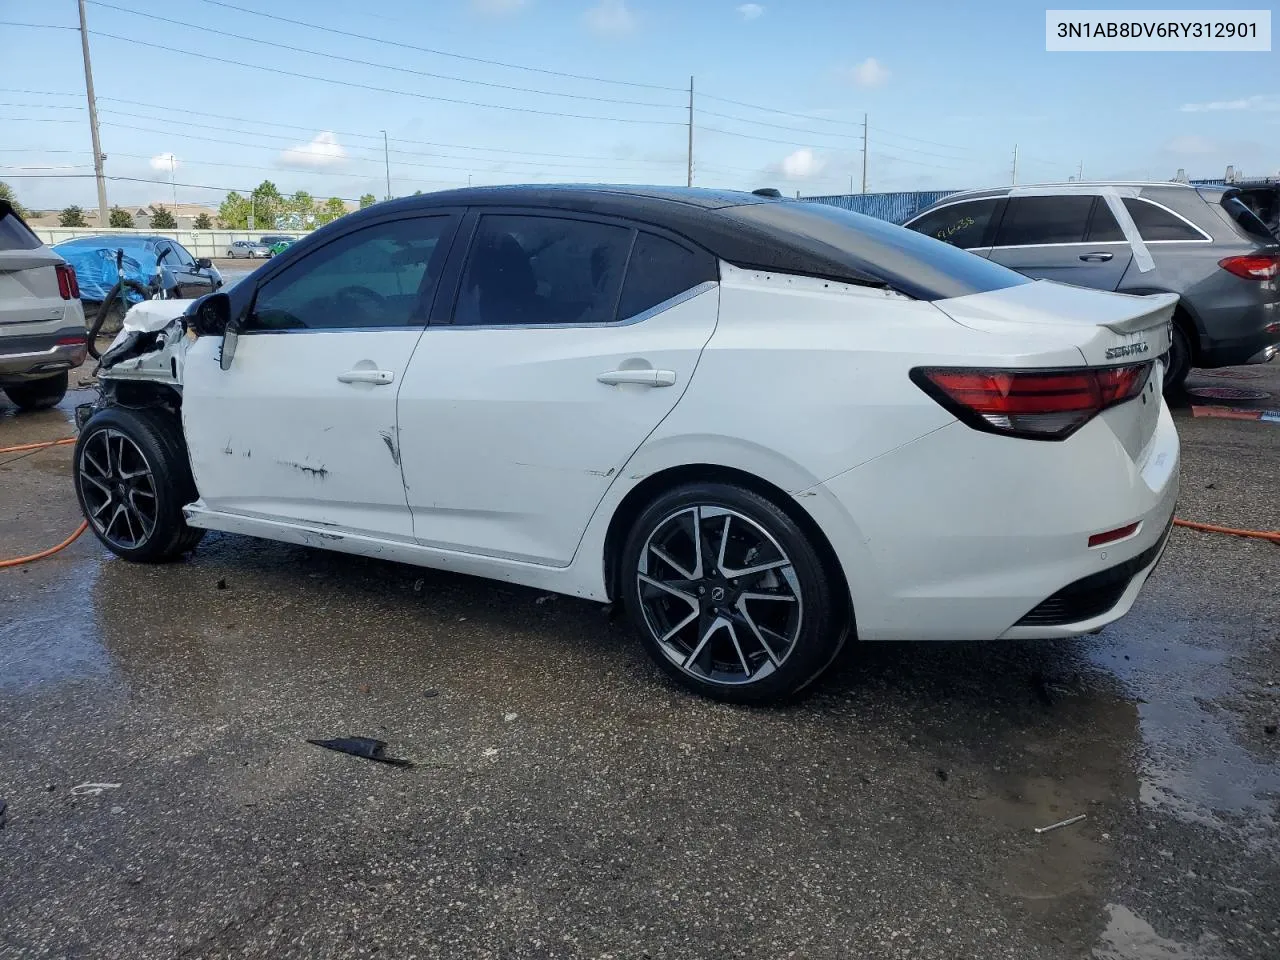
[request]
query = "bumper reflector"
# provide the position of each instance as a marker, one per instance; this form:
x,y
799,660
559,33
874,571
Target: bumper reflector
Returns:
x,y
1111,536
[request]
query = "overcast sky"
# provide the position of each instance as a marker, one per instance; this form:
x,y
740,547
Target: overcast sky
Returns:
x,y
949,88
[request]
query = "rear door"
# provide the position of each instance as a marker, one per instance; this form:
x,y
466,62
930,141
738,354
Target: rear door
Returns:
x,y
568,341
1072,238
28,280
302,427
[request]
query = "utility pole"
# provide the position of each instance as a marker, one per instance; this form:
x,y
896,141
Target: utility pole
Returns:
x,y
1080,170
864,153
1014,179
689,170
104,217
172,182
251,210
386,156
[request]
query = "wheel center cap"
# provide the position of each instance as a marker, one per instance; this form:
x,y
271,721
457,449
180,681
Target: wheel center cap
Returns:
x,y
121,491
717,594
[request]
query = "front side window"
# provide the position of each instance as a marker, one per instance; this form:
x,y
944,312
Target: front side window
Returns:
x,y
379,276
1040,220
181,255
538,270
962,225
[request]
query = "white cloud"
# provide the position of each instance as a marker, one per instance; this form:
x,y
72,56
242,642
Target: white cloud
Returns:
x,y
800,165
610,18
750,11
1259,101
324,150
869,73
498,7
165,161
1191,144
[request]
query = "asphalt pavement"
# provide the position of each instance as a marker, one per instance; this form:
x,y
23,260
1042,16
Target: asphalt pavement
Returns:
x,y
566,801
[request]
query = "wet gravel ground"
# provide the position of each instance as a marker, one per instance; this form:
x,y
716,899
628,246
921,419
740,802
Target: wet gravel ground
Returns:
x,y
568,802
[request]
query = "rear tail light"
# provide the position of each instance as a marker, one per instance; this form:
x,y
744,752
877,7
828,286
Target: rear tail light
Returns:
x,y
68,285
1262,266
1035,404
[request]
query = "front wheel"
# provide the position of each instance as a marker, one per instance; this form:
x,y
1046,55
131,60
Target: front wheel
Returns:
x,y
730,596
132,479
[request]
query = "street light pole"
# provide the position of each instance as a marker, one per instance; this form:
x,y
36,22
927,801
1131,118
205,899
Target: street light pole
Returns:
x,y
103,215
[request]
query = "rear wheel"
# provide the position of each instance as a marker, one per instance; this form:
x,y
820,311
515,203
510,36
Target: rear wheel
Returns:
x,y
132,479
38,394
729,595
1179,361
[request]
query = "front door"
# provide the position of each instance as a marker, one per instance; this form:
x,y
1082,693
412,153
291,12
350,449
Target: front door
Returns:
x,y
1072,238
571,339
302,427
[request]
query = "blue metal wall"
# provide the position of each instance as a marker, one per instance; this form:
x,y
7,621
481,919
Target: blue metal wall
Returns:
x,y
894,207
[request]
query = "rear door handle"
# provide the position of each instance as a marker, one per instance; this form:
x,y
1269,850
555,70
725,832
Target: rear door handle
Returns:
x,y
1096,257
645,377
376,377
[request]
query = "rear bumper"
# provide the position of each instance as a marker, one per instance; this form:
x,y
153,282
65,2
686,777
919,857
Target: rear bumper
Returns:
x,y
962,535
39,355
1239,336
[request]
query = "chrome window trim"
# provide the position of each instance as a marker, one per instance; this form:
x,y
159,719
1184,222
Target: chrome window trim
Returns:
x,y
641,317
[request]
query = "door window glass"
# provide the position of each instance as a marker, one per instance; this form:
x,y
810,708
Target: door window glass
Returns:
x,y
1039,220
1103,228
380,276
962,224
528,269
1155,223
658,270
181,256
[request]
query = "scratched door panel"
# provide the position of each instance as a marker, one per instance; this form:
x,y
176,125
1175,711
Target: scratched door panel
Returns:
x,y
278,435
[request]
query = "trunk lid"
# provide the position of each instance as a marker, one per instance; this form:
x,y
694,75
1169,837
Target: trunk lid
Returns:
x,y
29,286
1108,329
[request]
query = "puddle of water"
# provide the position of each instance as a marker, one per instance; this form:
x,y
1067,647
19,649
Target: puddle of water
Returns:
x,y
1128,937
52,636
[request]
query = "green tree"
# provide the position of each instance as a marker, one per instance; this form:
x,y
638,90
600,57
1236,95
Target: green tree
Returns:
x,y
234,212
202,222
6,193
333,209
121,218
417,193
368,200
268,204
162,219
72,216
304,205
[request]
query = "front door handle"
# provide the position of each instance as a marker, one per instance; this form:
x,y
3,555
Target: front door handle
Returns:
x,y
646,377
376,377
1096,257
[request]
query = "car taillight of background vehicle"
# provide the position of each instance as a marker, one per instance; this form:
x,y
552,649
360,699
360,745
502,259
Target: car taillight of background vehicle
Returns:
x,y
1033,404
68,285
1253,267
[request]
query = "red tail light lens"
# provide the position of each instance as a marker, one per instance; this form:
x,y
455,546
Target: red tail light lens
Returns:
x,y
1253,267
68,285
1035,404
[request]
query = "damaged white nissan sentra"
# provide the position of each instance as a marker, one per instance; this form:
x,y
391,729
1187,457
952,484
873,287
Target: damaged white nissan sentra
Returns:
x,y
764,426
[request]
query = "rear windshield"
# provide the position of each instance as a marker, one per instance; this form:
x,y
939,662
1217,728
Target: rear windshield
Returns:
x,y
1247,220
907,261
14,234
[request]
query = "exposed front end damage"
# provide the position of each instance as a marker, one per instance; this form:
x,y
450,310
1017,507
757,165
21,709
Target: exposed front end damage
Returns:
x,y
143,366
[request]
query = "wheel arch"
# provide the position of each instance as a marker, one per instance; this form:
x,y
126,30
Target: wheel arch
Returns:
x,y
654,485
1184,315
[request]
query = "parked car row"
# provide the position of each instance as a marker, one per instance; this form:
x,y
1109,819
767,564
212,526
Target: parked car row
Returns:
x,y
262,248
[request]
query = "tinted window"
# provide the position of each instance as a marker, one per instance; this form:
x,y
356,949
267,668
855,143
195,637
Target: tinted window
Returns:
x,y
181,256
962,224
659,270
1156,223
1247,220
542,270
1103,227
379,276
1029,220
819,240
14,234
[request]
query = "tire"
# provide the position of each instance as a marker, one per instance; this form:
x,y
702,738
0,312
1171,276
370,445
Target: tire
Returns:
x,y
38,394
1179,362
137,456
697,626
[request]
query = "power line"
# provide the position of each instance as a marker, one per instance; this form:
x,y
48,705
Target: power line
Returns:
x,y
38,26
439,53
134,41
933,143
382,66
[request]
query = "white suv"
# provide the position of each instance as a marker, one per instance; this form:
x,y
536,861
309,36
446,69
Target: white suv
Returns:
x,y
42,332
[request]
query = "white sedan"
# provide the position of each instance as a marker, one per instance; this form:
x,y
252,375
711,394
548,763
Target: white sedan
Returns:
x,y
764,426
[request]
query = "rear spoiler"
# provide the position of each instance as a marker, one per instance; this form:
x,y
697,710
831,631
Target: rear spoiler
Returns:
x,y
1142,321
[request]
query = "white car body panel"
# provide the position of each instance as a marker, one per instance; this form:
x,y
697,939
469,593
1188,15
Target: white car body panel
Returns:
x,y
29,288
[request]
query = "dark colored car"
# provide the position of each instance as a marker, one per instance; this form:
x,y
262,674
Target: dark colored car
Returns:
x,y
1204,244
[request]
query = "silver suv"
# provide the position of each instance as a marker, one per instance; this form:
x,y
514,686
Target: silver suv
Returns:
x,y
42,333
1201,243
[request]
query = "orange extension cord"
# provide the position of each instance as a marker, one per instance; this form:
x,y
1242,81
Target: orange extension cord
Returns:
x,y
1270,535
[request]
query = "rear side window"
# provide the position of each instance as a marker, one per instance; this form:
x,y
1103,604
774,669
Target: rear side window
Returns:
x,y
1247,220
1038,220
539,270
660,269
383,275
14,234
1156,223
962,225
